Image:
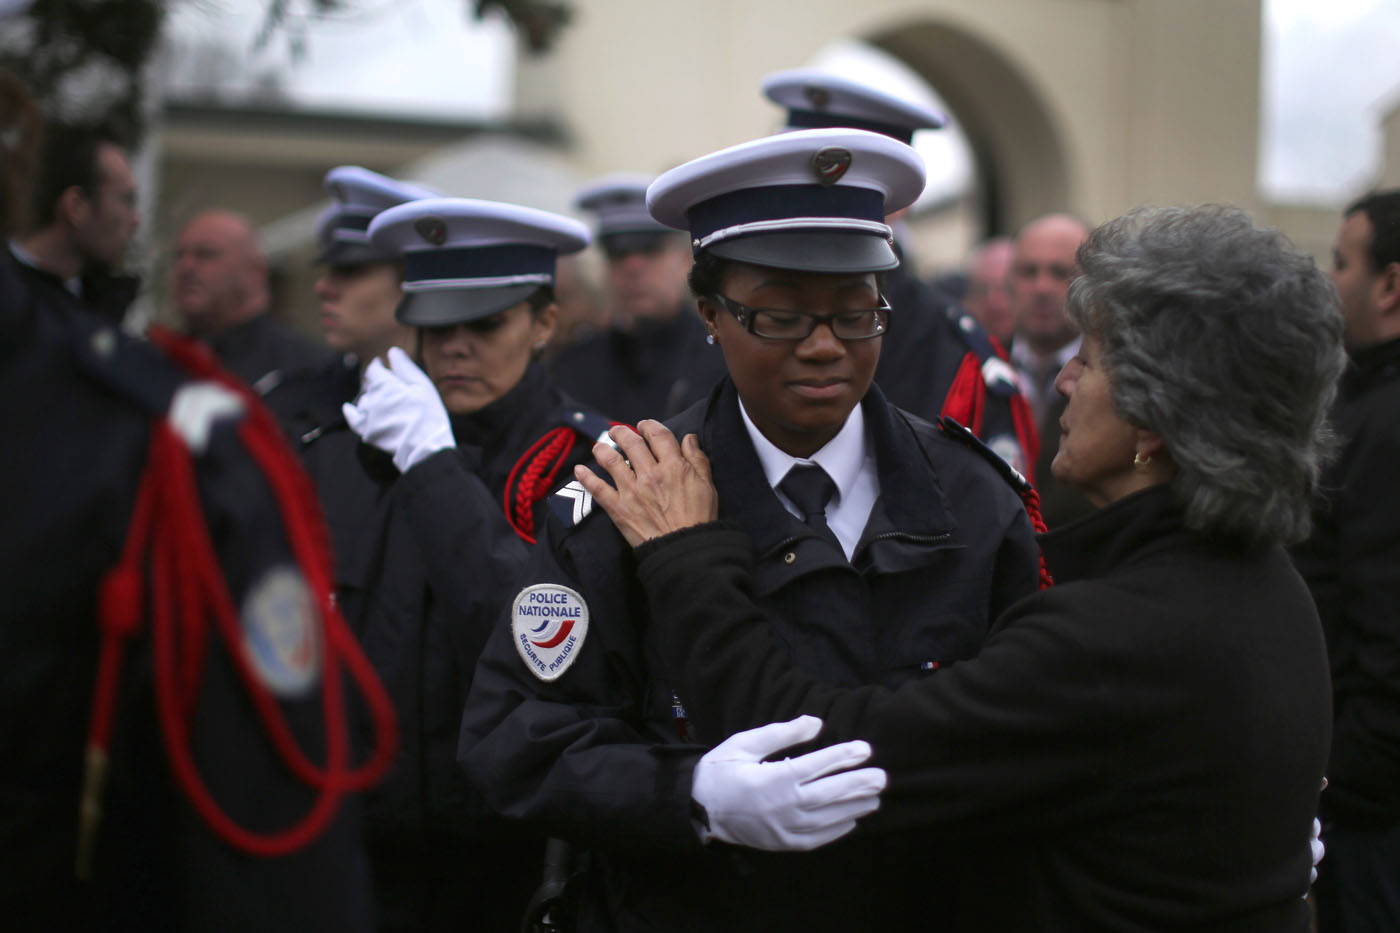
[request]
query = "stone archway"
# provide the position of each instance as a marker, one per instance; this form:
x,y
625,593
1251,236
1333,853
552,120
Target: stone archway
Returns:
x,y
1022,165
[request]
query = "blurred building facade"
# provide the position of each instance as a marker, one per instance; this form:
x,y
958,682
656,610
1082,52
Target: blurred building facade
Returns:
x,y
1090,106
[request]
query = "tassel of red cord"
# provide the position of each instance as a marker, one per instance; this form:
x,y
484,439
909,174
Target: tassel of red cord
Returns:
x,y
168,535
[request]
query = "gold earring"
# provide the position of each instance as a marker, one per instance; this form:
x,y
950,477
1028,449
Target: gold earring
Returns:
x,y
1142,462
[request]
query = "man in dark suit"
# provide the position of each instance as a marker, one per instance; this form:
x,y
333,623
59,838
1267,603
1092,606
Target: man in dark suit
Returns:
x,y
221,297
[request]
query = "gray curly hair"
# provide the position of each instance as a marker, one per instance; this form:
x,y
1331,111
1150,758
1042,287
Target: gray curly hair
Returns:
x,y
1227,342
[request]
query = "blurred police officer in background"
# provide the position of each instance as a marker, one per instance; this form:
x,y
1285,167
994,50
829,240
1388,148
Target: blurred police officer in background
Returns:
x,y
358,291
83,217
1352,565
653,361
167,605
906,534
220,289
942,363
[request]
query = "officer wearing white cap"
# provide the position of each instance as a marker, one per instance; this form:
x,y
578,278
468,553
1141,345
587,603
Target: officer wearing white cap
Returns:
x,y
358,290
653,361
417,613
856,512
943,364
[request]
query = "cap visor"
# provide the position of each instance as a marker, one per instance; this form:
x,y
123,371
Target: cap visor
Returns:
x,y
638,241
341,253
811,252
444,307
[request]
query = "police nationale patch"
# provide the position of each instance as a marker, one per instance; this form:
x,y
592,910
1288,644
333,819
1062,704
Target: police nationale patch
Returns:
x,y
280,637
548,623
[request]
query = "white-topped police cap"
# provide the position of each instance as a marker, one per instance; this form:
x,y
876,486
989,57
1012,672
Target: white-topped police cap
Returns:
x,y
810,200
465,259
357,196
619,204
816,99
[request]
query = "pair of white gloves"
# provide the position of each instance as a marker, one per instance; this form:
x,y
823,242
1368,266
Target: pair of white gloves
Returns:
x,y
399,411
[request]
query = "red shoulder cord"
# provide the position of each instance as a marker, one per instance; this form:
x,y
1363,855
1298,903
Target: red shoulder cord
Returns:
x,y
1026,433
965,404
537,468
967,396
1031,499
185,590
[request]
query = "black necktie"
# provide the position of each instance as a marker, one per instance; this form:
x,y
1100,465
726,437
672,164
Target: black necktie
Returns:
x,y
810,489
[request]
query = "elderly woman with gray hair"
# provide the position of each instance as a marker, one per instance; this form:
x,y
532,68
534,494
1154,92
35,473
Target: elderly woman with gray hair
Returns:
x,y
1142,745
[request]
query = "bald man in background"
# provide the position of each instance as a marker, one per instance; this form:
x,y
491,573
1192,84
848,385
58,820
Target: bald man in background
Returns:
x,y
988,299
221,297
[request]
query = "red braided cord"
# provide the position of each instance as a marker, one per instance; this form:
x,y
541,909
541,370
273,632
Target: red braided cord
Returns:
x,y
550,450
187,585
1026,433
1031,499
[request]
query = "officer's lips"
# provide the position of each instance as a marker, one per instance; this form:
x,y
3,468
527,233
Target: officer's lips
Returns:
x,y
819,388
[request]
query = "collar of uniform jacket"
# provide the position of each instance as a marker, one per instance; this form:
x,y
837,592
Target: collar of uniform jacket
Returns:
x,y
911,498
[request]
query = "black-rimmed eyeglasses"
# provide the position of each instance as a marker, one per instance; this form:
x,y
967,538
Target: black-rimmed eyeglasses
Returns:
x,y
775,324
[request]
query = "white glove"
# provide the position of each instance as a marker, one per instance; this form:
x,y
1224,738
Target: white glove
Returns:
x,y
399,411
1318,849
791,805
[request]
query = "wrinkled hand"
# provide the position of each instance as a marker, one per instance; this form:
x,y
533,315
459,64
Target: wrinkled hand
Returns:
x,y
666,488
791,805
399,411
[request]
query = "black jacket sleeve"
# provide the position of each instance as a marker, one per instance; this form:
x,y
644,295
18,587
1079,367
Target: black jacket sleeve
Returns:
x,y
970,748
587,756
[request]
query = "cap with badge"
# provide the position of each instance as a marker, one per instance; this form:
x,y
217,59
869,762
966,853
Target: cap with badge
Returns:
x,y
623,223
357,196
810,200
817,99
466,259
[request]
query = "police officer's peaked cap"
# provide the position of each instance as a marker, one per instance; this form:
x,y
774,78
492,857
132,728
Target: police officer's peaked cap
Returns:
x,y
619,204
357,195
810,200
816,99
466,259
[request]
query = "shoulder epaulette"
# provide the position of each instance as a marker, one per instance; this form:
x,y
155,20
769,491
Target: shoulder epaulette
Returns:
x,y
571,504
125,365
593,426
957,432
536,472
998,375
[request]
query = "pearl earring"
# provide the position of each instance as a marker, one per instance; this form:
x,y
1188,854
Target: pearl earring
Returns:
x,y
710,339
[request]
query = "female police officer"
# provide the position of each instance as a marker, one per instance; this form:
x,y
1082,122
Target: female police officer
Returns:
x,y
478,284
910,544
477,279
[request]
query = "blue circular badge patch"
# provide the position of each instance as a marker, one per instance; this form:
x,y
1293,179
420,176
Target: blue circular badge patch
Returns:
x,y
281,639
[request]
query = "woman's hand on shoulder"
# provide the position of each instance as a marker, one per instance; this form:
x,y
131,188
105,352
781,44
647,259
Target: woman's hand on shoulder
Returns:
x,y
661,486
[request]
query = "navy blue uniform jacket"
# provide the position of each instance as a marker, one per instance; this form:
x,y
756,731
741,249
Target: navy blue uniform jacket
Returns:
x,y
603,756
82,398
